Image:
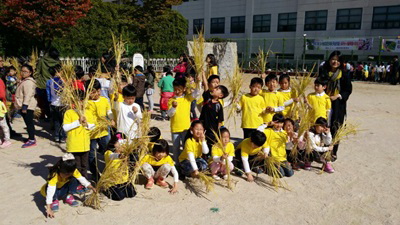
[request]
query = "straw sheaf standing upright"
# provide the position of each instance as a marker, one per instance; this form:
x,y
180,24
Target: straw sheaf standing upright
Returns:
x,y
14,62
262,59
306,122
198,47
235,84
70,96
119,49
34,59
301,84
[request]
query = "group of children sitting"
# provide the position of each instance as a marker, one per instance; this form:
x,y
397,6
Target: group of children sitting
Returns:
x,y
269,126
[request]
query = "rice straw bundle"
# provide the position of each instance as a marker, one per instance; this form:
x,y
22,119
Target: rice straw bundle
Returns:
x,y
272,165
220,145
207,180
102,124
198,53
301,84
140,145
15,63
34,59
343,132
93,200
69,93
119,49
235,84
37,113
262,59
189,86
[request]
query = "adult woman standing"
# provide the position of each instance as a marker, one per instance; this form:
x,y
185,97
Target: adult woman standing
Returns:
x,y
25,100
339,90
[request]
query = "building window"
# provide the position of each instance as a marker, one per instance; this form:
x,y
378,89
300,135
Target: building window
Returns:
x,y
348,19
287,22
387,17
261,23
316,20
197,25
238,24
217,25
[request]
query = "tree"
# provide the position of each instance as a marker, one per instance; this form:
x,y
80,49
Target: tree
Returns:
x,y
43,19
92,35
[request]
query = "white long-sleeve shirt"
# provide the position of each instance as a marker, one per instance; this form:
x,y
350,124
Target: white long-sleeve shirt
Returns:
x,y
127,120
192,159
318,141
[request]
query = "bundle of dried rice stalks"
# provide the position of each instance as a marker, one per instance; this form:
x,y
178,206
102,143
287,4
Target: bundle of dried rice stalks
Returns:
x,y
93,200
220,145
262,59
198,53
34,59
207,181
119,49
37,113
343,133
15,63
102,124
271,165
70,95
301,84
235,84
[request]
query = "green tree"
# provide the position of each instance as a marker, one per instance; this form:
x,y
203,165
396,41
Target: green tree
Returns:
x,y
92,35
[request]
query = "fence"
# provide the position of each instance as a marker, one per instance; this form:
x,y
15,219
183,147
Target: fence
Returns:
x,y
158,64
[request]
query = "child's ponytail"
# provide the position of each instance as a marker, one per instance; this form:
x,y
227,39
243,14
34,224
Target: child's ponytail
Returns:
x,y
66,164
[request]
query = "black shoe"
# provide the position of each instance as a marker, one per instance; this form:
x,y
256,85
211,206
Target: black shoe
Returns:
x,y
239,173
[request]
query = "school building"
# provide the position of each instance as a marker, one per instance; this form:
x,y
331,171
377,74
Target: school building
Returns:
x,y
294,29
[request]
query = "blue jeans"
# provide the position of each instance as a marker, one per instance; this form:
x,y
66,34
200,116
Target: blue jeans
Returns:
x,y
285,169
177,140
102,142
187,167
68,188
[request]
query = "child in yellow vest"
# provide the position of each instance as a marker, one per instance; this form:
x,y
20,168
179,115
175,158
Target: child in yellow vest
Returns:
x,y
319,102
118,173
61,183
77,127
288,95
276,144
247,151
190,159
252,106
100,109
157,166
273,99
5,131
179,112
219,156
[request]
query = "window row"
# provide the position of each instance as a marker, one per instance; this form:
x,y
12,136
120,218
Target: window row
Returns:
x,y
385,17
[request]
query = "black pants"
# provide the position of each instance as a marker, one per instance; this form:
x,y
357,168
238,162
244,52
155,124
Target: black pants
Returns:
x,y
28,119
43,103
247,132
121,191
58,117
252,162
82,162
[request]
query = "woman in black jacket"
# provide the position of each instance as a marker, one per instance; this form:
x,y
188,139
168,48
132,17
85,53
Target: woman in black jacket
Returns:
x,y
339,90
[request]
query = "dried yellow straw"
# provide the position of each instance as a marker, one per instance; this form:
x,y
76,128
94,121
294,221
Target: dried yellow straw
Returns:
x,y
262,59
198,53
218,143
14,62
34,59
235,84
343,133
301,84
271,165
207,180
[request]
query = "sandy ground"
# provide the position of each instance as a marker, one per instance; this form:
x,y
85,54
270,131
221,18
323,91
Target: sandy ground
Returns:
x,y
365,189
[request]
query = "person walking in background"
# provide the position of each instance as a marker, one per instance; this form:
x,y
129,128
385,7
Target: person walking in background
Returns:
x,y
149,85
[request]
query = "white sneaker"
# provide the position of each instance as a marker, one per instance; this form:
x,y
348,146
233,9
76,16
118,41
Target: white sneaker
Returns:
x,y
216,177
225,177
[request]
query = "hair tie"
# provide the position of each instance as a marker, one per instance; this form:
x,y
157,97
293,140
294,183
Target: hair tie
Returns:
x,y
68,156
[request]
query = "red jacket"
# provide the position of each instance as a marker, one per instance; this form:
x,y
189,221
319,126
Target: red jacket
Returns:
x,y
2,91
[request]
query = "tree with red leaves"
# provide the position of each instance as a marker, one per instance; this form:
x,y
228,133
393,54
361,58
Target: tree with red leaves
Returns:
x,y
43,19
